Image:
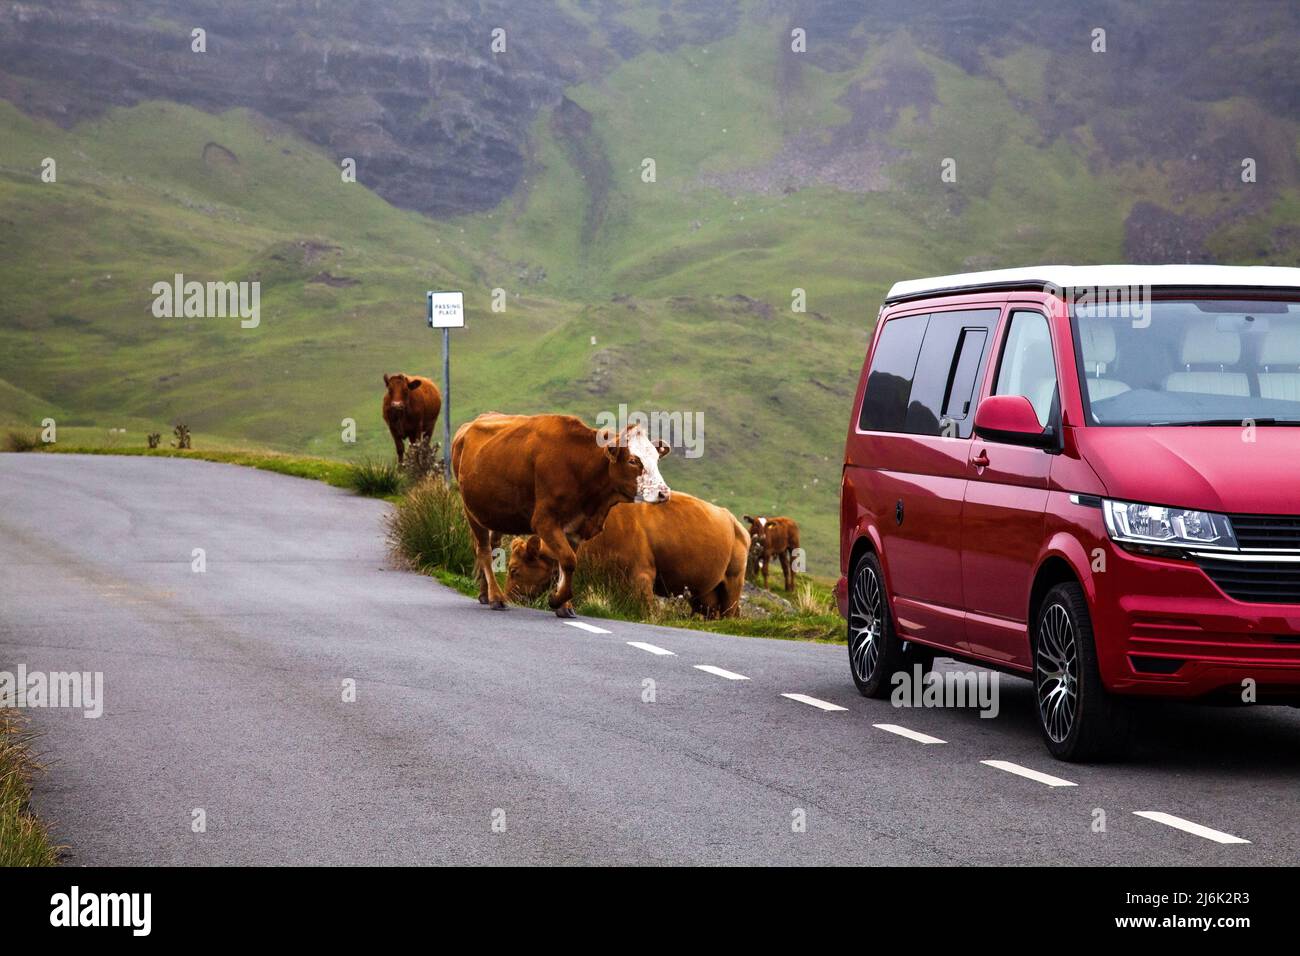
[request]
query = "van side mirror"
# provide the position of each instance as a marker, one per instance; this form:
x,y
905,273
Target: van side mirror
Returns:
x,y
1011,420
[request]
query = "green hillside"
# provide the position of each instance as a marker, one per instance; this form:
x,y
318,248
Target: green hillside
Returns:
x,y
674,294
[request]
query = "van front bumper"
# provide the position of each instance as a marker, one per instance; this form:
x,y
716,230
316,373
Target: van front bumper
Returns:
x,y
1164,628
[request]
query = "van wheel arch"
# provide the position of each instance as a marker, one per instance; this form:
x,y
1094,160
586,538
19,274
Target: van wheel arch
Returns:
x,y
864,545
1055,570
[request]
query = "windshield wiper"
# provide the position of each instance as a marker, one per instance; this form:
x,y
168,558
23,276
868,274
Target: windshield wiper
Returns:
x,y
1239,422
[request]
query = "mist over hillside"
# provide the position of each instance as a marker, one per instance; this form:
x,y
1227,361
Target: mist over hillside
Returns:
x,y
522,168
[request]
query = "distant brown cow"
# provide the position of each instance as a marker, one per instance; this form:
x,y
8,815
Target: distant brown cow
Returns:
x,y
684,545
411,407
549,475
777,537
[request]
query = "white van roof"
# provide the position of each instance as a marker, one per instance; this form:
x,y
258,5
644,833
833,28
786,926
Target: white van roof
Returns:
x,y
1100,277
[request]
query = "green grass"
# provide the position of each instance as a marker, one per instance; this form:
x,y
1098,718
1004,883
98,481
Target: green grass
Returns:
x,y
376,479
340,474
24,840
427,529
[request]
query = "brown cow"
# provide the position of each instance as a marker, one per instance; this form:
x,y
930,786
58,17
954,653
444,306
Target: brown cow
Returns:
x,y
411,407
774,536
684,545
549,475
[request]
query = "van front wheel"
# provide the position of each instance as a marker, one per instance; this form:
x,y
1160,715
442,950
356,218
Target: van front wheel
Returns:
x,y
1079,720
875,651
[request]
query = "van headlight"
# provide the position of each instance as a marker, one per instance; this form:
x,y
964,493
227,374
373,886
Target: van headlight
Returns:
x,y
1158,526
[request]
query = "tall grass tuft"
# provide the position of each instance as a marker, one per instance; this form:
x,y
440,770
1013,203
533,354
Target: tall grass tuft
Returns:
x,y
21,441
427,529
24,840
604,589
807,600
375,478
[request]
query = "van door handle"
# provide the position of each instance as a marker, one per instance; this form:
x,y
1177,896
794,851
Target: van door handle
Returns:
x,y
981,459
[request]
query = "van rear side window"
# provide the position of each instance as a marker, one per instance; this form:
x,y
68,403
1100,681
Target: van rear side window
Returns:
x,y
925,371
884,407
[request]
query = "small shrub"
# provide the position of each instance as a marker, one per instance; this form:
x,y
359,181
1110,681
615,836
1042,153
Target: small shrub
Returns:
x,y
182,433
155,439
21,441
808,601
421,460
375,478
427,529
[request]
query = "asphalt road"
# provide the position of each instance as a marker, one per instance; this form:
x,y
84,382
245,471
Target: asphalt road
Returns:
x,y
512,737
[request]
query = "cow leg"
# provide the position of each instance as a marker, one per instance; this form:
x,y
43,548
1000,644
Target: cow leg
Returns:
x,y
787,570
489,590
762,566
732,586
643,586
397,440
494,542
556,542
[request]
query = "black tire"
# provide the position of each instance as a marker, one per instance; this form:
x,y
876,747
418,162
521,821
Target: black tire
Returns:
x,y
1079,720
875,651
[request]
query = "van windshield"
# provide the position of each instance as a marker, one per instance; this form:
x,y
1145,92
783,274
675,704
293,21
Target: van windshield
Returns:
x,y
1190,361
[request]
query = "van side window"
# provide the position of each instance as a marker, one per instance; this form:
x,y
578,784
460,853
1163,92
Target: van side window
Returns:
x,y
884,407
925,371
960,396
1027,367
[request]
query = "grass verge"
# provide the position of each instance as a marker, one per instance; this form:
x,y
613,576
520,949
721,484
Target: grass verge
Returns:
x,y
340,474
24,840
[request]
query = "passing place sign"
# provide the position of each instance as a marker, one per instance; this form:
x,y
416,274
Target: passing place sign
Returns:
x,y
446,310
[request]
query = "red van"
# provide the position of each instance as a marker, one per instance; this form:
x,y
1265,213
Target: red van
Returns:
x,y
1088,476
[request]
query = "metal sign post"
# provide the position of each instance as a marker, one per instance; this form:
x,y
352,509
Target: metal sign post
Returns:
x,y
446,311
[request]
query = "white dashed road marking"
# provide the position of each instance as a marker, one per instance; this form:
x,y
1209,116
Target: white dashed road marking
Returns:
x,y
1025,772
584,626
814,702
651,648
729,675
1178,823
909,734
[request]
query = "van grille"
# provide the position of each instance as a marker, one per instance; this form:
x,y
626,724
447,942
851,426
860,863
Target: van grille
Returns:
x,y
1269,532
1260,582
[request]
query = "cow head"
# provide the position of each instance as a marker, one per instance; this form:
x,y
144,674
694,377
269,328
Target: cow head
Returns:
x,y
757,529
634,464
529,571
399,387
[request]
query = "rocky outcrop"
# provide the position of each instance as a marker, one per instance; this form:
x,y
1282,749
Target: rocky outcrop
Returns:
x,y
435,119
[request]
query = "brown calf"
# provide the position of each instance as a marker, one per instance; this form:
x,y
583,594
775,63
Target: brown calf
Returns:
x,y
777,537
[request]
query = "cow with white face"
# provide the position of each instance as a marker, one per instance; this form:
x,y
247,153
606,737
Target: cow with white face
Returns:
x,y
650,485
552,476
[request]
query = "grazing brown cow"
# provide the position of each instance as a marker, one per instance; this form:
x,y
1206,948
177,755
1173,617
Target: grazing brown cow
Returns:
x,y
683,546
549,475
411,407
774,536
